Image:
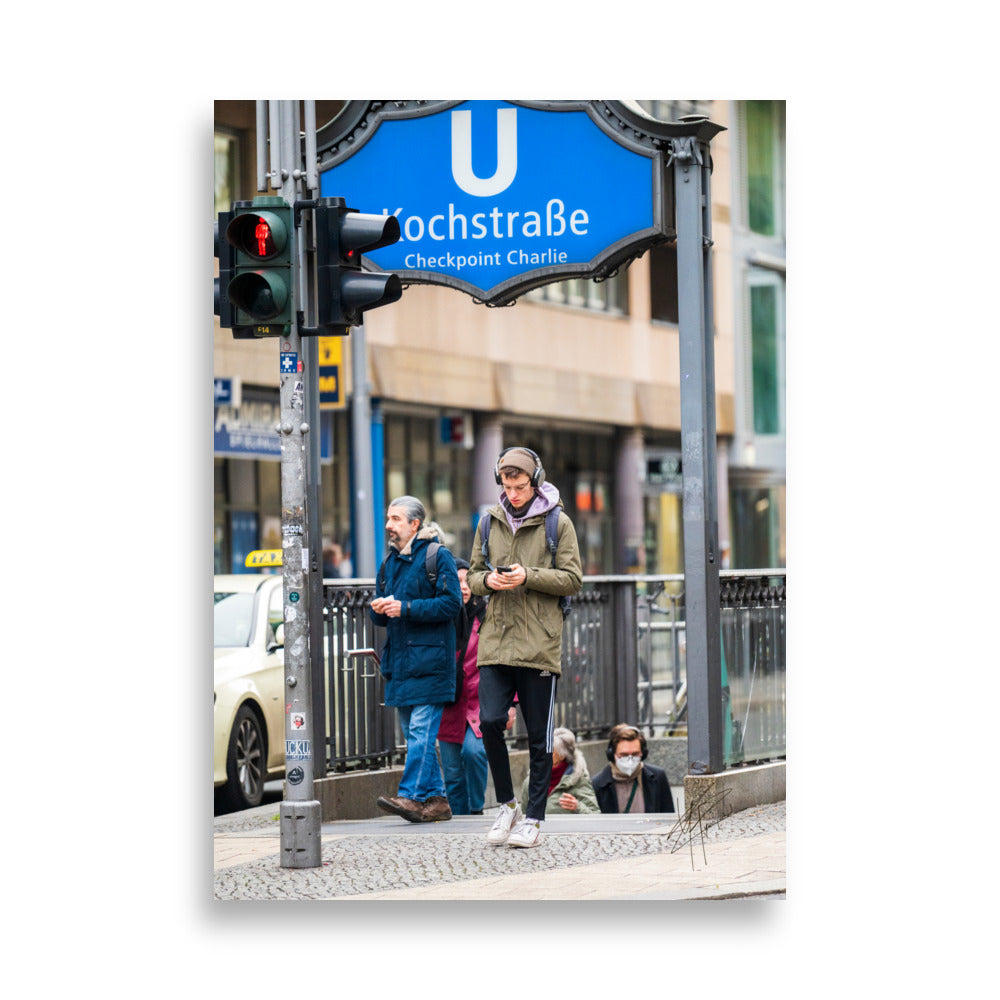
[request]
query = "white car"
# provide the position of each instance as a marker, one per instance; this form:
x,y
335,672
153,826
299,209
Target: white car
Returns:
x,y
249,688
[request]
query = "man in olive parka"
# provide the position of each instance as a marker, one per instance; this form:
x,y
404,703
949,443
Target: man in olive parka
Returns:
x,y
520,640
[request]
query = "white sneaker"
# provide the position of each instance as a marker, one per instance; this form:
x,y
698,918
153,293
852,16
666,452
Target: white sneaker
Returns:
x,y
507,817
527,834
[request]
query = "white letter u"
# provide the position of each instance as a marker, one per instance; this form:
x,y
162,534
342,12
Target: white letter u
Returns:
x,y
461,153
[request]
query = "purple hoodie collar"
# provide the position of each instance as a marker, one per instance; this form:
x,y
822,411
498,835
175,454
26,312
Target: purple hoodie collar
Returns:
x,y
546,497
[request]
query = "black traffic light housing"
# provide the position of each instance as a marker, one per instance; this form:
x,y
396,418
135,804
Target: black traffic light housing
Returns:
x,y
343,290
260,293
226,256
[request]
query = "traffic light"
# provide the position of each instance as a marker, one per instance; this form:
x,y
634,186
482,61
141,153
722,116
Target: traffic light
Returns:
x,y
225,254
343,290
260,291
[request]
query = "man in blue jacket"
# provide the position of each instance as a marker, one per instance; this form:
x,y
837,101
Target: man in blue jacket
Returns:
x,y
418,659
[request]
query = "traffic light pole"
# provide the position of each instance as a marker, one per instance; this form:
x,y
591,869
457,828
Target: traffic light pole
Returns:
x,y
300,813
285,275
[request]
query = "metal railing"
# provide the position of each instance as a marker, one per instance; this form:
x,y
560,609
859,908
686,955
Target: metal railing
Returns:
x,y
752,620
623,659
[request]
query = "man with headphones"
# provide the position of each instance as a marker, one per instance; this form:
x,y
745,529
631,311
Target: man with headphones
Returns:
x,y
520,639
628,784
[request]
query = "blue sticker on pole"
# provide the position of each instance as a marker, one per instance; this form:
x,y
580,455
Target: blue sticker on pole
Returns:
x,y
298,749
289,362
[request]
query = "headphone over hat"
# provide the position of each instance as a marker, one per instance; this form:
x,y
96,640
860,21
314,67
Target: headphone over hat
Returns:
x,y
525,460
625,732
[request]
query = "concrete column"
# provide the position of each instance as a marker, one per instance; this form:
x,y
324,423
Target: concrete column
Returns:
x,y
722,476
630,465
489,444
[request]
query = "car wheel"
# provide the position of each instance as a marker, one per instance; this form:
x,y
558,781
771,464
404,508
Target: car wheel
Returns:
x,y
246,761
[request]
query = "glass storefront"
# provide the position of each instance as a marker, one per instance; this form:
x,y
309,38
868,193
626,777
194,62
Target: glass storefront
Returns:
x,y
419,460
419,463
247,478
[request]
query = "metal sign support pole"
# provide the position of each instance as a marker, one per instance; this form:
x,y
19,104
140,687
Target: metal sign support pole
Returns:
x,y
299,812
701,529
365,559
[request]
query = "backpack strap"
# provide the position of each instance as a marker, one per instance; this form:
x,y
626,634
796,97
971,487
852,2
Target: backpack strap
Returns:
x,y
484,533
551,527
551,539
430,563
430,567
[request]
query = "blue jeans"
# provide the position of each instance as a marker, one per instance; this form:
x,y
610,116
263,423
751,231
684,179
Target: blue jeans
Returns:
x,y
421,773
465,771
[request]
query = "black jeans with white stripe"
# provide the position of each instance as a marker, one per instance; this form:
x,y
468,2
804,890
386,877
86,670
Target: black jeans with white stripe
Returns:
x,y
536,698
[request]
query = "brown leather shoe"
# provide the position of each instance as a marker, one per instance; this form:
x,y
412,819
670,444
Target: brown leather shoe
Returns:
x,y
406,808
435,809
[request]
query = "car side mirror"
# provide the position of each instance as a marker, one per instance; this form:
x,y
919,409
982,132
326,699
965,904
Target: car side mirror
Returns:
x,y
278,642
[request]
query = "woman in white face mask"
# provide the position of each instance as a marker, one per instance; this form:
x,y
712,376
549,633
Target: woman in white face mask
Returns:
x,y
628,784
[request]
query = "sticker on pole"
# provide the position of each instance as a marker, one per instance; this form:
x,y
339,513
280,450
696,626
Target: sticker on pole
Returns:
x,y
298,749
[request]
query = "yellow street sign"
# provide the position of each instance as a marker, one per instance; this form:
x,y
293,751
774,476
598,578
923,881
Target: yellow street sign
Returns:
x,y
331,368
261,558
331,350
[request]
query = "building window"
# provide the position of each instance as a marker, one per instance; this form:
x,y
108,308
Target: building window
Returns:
x,y
418,463
757,509
765,173
226,170
672,111
609,296
759,255
767,350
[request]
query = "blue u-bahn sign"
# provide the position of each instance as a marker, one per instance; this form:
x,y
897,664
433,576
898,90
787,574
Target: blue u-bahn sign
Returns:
x,y
496,197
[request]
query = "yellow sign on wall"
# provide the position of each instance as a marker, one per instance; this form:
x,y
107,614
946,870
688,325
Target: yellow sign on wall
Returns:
x,y
331,369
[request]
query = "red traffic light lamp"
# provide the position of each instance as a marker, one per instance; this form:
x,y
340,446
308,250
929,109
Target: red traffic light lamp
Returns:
x,y
260,291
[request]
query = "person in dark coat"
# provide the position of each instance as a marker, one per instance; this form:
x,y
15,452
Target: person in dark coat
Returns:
x,y
418,659
628,784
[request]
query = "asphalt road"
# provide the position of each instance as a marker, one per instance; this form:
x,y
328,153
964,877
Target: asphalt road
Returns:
x,y
272,794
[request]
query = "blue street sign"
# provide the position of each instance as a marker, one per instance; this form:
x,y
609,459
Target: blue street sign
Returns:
x,y
223,391
495,197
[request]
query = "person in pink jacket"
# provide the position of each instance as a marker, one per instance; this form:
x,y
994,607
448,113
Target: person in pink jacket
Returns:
x,y
460,740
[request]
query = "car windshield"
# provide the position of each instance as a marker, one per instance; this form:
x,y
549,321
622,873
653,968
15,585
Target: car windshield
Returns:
x,y
233,619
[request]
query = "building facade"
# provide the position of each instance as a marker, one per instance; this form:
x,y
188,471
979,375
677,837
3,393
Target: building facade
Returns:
x,y
585,373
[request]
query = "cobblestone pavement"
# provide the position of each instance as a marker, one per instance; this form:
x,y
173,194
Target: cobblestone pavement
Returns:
x,y
444,853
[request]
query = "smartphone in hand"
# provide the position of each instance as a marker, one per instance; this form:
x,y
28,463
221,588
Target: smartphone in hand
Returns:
x,y
502,569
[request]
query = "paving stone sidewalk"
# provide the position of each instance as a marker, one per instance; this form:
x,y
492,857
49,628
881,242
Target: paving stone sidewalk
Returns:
x,y
580,857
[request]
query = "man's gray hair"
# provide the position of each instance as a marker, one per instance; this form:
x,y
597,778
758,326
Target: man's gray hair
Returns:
x,y
413,507
564,744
